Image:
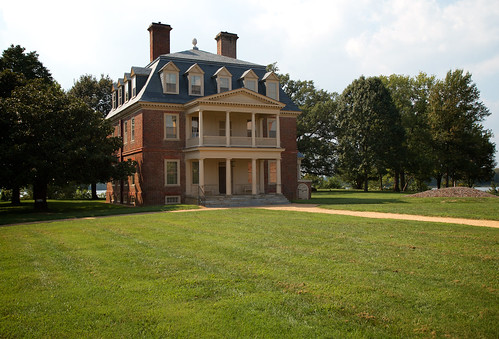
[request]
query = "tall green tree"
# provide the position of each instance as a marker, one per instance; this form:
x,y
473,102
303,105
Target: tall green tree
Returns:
x,y
455,116
61,139
369,129
411,97
97,95
315,125
16,68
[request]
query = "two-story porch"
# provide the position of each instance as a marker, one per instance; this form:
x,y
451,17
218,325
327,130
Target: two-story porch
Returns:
x,y
233,145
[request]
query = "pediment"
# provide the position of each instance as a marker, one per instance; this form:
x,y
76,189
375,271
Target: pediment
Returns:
x,y
240,96
222,72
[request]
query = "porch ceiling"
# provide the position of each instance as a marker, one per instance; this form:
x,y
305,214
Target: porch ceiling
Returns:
x,y
232,153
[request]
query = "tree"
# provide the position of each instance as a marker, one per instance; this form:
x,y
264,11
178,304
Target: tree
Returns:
x,y
61,139
315,125
455,115
97,95
411,96
16,68
368,129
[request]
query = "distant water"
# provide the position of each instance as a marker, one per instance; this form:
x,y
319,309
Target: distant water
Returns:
x,y
484,189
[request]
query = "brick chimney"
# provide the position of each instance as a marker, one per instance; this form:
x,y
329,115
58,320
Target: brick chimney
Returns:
x,y
226,44
159,39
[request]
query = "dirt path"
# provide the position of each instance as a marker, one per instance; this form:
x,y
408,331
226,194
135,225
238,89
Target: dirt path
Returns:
x,y
379,215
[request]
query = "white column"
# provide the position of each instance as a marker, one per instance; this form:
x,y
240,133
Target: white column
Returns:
x,y
201,173
201,132
228,178
253,131
253,176
227,128
277,131
278,173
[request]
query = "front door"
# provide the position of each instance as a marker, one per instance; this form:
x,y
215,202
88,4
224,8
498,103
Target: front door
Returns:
x,y
222,188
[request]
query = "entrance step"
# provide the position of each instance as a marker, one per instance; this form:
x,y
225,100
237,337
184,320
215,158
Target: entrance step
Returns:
x,y
245,200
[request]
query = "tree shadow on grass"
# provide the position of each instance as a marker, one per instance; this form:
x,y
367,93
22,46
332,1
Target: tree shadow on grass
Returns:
x,y
351,197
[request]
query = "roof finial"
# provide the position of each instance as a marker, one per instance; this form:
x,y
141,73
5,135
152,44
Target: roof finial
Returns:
x,y
195,42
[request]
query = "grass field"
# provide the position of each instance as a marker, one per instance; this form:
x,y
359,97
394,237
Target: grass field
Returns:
x,y
473,208
248,273
67,209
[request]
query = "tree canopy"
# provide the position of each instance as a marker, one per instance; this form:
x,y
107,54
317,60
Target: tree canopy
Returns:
x,y
52,137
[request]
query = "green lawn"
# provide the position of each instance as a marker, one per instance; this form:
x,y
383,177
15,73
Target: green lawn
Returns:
x,y
65,209
248,273
473,208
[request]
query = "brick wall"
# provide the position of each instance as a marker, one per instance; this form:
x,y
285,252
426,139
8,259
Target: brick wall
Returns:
x,y
289,165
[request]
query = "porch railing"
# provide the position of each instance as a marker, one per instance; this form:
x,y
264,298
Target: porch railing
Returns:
x,y
210,140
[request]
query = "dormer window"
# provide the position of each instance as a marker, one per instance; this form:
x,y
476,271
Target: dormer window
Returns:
x,y
195,76
224,80
195,85
120,95
134,86
169,78
250,80
125,89
271,85
114,98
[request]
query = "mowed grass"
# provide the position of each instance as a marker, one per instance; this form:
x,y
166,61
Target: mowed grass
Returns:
x,y
248,273
389,202
67,209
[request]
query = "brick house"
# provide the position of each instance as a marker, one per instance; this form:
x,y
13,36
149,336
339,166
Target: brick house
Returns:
x,y
203,127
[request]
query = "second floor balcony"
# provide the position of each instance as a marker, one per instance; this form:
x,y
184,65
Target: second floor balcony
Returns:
x,y
226,129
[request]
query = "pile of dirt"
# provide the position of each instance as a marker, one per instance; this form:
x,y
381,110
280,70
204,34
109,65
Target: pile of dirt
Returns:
x,y
453,192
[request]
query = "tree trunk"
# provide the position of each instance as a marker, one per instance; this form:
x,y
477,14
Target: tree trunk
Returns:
x,y
439,181
40,196
16,196
402,180
381,182
366,182
396,187
94,191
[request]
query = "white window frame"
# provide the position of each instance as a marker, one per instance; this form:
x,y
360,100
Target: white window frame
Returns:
x,y
195,129
168,77
114,99
251,81
125,132
201,85
126,92
120,96
271,121
174,199
169,69
219,84
195,172
132,130
177,162
134,86
268,85
176,126
195,71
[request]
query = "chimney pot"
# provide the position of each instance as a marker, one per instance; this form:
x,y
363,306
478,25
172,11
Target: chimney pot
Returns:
x,y
159,35
226,44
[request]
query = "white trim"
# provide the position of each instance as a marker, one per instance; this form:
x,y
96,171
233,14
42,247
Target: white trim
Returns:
x,y
177,124
175,199
177,161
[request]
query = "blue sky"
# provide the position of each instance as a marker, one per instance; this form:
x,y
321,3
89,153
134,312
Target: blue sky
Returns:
x,y
331,42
